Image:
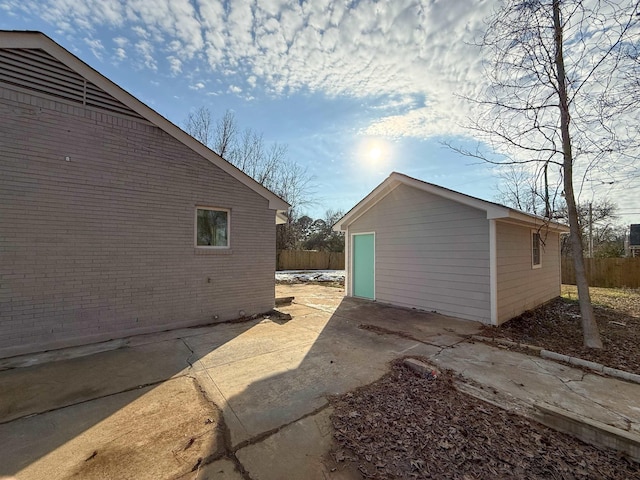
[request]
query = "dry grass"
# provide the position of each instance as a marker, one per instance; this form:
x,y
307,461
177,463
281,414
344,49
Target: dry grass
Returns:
x,y
623,300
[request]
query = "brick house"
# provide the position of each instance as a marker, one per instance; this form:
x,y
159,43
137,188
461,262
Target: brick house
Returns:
x,y
113,221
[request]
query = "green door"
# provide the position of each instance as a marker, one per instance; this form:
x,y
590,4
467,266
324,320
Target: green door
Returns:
x,y
364,265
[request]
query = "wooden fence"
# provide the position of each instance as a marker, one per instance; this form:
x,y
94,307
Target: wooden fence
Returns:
x,y
601,272
309,260
605,272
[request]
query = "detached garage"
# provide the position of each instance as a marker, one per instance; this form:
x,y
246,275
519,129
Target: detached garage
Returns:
x,y
415,244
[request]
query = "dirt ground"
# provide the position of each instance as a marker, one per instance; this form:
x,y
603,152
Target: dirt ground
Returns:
x,y
556,327
408,426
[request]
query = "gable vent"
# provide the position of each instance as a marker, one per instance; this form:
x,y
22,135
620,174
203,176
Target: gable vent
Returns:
x,y
36,70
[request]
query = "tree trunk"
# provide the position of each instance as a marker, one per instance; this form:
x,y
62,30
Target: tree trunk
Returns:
x,y
591,335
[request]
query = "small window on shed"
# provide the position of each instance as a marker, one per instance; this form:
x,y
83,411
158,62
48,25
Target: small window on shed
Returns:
x,y
212,229
536,255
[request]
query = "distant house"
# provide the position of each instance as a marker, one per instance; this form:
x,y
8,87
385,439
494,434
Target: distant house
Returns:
x,y
113,221
633,241
418,245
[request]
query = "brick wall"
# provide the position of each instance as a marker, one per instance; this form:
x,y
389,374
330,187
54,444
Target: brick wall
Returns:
x,y
102,246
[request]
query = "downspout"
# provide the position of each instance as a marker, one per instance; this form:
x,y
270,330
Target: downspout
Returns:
x,y
493,271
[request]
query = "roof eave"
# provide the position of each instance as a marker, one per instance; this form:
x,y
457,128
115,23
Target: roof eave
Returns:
x,y
533,221
493,211
281,217
30,39
366,203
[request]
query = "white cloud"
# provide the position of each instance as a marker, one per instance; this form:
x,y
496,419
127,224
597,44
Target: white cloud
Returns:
x,y
121,41
120,54
387,52
367,50
197,86
141,32
146,51
408,61
88,14
175,65
96,47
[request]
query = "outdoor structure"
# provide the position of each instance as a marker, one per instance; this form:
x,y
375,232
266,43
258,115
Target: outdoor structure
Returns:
x,y
414,244
633,240
113,221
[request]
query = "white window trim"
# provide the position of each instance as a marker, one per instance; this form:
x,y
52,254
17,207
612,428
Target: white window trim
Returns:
x,y
195,228
533,233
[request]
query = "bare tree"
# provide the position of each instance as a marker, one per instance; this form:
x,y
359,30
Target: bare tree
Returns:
x,y
609,241
523,188
199,124
557,73
225,134
268,165
596,220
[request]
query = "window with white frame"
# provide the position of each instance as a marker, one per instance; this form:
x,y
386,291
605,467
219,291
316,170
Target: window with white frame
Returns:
x,y
212,227
536,252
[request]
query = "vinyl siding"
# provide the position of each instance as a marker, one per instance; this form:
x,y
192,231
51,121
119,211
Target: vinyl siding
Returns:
x,y
102,246
431,253
521,287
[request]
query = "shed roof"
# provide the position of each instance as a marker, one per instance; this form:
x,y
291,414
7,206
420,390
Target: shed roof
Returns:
x,y
493,210
24,41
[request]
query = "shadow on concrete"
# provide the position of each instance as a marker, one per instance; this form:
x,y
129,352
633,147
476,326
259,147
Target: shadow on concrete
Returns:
x,y
263,374
349,343
46,406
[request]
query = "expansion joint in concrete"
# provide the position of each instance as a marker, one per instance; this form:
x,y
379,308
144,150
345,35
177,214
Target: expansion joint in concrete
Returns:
x,y
226,451
137,387
191,354
437,354
264,435
385,331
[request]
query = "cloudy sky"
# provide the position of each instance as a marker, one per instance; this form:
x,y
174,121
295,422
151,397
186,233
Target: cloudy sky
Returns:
x,y
356,89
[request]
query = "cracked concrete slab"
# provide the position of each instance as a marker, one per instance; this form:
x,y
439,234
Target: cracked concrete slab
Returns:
x,y
48,386
268,390
299,310
299,450
236,429
270,379
536,380
152,432
223,469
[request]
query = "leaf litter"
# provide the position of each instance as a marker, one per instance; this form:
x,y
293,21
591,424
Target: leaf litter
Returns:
x,y
556,326
406,426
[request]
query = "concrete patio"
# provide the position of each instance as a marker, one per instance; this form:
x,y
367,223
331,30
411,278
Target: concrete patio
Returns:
x,y
152,406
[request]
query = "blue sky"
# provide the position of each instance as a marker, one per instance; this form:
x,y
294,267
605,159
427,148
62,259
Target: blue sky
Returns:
x,y
332,80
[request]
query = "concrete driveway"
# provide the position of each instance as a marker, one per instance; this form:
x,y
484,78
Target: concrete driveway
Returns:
x,y
154,407
249,399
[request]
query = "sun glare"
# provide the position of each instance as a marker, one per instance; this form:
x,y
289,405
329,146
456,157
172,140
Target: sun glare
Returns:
x,y
374,151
